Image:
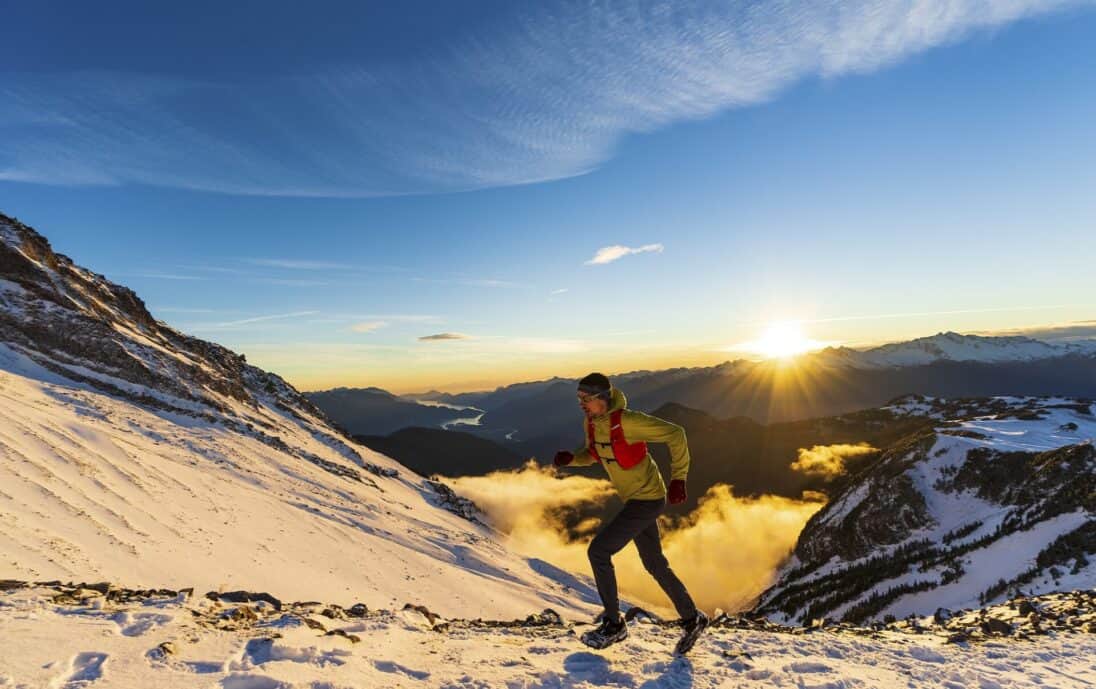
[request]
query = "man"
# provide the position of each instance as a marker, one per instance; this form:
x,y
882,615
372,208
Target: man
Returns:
x,y
617,438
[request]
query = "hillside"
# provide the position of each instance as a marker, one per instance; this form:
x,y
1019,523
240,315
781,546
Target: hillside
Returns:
x,y
133,453
999,496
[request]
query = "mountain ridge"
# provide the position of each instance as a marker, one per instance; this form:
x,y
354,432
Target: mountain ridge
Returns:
x,y
132,452
998,496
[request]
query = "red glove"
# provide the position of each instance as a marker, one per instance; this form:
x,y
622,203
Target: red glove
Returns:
x,y
563,458
677,491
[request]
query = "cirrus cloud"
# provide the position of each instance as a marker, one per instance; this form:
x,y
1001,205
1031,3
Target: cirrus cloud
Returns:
x,y
538,94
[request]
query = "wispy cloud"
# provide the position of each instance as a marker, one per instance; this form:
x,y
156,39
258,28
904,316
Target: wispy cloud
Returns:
x,y
352,320
914,314
441,337
475,282
402,317
608,254
183,309
165,276
368,326
296,282
561,290
272,317
540,95
298,265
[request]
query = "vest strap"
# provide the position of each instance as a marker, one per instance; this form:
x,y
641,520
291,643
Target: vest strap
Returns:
x,y
626,454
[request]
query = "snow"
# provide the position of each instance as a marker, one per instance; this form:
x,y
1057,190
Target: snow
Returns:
x,y
915,405
97,488
1001,559
1055,422
219,493
162,644
951,346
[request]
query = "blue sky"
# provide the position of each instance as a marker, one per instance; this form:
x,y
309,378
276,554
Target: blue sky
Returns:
x,y
320,189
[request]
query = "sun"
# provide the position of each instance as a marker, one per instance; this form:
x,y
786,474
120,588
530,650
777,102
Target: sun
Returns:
x,y
783,340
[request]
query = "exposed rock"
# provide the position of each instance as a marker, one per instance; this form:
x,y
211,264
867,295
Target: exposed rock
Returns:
x,y
354,638
992,625
1072,612
83,327
432,617
448,499
244,597
357,610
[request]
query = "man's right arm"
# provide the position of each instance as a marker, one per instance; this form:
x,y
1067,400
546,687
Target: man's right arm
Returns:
x,y
582,457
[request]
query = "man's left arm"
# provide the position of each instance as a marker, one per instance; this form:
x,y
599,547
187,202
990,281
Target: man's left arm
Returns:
x,y
638,426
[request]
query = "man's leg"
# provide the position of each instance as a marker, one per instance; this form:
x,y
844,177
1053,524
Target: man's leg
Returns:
x,y
649,544
625,526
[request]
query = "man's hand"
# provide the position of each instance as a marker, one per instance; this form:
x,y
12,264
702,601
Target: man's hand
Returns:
x,y
677,491
563,458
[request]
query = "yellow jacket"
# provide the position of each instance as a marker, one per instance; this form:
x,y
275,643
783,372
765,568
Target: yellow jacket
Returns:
x,y
643,481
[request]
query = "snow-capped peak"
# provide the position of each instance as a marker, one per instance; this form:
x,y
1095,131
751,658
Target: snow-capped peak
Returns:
x,y
952,346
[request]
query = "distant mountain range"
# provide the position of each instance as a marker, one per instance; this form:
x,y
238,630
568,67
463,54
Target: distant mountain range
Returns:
x,y
537,418
429,451
372,411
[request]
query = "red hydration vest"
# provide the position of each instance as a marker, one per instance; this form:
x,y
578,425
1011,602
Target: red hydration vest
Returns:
x,y
626,454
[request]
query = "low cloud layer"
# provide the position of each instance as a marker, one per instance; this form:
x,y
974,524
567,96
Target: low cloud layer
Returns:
x,y
1059,333
828,460
726,551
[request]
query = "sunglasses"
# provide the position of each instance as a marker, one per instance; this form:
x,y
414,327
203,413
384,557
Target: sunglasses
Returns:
x,y
584,397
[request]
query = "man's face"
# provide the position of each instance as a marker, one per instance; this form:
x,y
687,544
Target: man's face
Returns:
x,y
592,405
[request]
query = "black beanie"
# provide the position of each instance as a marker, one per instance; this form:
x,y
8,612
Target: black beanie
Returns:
x,y
595,384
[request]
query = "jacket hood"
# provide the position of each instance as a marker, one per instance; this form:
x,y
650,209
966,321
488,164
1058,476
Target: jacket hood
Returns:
x,y
617,400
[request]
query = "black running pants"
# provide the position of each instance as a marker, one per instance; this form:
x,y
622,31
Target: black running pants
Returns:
x,y
638,522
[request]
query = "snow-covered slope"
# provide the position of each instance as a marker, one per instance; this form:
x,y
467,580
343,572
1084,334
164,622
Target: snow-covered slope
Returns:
x,y
999,496
133,453
952,346
85,639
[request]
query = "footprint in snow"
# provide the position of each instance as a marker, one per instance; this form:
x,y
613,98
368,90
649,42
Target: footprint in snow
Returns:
x,y
807,666
926,654
390,666
264,650
87,667
593,668
160,658
138,623
245,681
